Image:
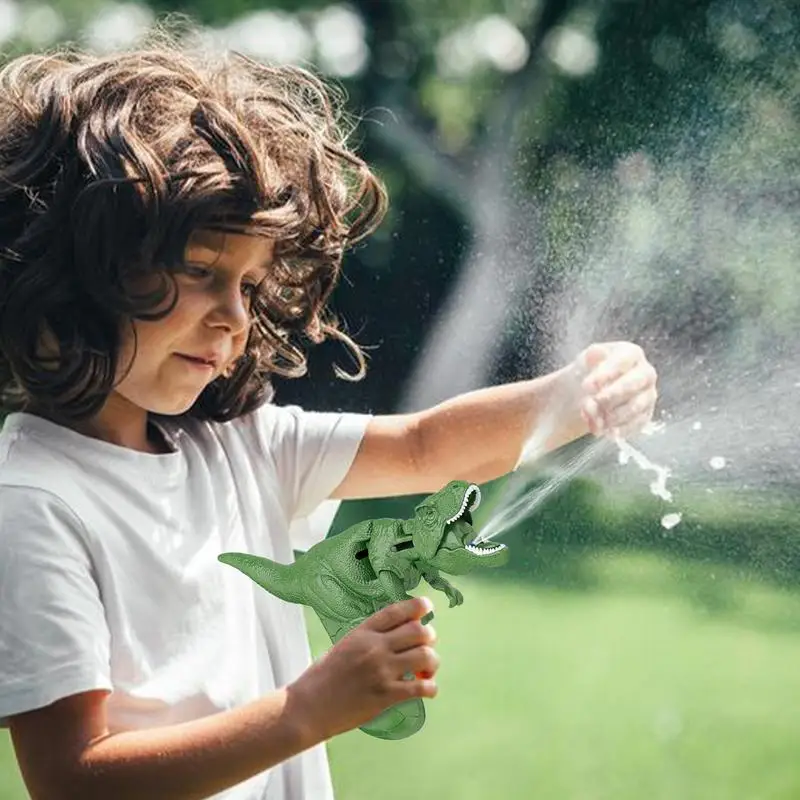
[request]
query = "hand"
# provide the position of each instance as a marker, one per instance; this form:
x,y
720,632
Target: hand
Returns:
x,y
362,674
618,392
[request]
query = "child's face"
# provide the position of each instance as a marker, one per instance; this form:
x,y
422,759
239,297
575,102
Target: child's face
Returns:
x,y
178,356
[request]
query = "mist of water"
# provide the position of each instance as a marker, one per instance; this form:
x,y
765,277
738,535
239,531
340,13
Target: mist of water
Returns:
x,y
705,278
690,250
517,503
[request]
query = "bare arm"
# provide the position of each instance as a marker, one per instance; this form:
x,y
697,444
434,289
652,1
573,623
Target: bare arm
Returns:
x,y
479,436
476,436
490,426
66,750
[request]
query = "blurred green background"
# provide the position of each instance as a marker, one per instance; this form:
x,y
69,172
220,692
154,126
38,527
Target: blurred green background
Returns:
x,y
563,172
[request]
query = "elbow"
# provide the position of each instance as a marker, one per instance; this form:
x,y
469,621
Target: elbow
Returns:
x,y
67,782
416,449
436,460
58,786
426,460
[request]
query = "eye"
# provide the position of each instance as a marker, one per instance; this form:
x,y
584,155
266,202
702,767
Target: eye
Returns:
x,y
195,271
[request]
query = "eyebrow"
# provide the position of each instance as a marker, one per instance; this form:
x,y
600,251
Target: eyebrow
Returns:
x,y
218,254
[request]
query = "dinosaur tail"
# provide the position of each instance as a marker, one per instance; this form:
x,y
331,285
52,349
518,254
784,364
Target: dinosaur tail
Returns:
x,y
277,579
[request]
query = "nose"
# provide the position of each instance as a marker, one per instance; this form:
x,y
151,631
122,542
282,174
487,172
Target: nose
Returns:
x,y
231,311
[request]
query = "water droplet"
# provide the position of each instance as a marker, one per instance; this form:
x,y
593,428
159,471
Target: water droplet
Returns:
x,y
669,521
668,724
697,426
717,462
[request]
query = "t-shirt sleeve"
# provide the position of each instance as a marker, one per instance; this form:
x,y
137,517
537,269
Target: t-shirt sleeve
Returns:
x,y
54,641
312,451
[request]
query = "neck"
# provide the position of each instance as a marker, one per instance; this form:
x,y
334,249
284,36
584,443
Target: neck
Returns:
x,y
118,422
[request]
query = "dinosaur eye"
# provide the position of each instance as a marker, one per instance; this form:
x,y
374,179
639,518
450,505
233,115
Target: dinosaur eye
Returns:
x,y
429,515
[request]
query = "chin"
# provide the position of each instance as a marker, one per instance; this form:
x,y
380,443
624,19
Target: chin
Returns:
x,y
173,408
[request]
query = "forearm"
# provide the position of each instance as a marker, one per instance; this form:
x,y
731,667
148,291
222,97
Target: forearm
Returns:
x,y
195,759
479,435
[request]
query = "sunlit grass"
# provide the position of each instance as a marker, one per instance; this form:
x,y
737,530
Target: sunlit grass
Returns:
x,y
667,680
647,686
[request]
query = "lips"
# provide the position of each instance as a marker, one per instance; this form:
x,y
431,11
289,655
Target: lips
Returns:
x,y
210,361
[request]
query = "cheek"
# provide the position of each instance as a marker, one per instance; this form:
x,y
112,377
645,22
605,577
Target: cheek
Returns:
x,y
127,350
143,345
240,344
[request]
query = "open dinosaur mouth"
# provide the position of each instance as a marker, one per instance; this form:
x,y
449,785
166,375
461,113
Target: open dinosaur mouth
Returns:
x,y
472,499
483,550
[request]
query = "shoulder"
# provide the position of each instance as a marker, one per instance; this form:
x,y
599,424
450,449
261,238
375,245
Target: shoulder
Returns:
x,y
31,514
273,429
31,474
23,457
306,454
40,492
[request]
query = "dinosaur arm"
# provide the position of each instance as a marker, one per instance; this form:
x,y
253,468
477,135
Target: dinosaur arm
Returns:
x,y
392,569
436,581
395,591
392,586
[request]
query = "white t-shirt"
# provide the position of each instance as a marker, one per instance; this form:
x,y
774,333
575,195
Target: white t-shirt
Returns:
x,y
109,576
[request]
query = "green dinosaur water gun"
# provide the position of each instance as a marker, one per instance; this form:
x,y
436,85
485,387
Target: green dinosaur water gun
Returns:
x,y
348,577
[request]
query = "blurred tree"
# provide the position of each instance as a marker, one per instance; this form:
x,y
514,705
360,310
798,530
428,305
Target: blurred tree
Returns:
x,y
526,142
514,135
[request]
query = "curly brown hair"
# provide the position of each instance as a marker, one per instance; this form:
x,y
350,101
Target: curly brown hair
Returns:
x,y
107,166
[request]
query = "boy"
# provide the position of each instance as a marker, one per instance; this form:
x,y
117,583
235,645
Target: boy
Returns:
x,y
170,232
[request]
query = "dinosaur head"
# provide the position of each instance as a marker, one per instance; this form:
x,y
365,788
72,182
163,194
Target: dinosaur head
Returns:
x,y
442,532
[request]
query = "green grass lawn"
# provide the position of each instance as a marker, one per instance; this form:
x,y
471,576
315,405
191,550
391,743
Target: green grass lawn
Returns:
x,y
666,681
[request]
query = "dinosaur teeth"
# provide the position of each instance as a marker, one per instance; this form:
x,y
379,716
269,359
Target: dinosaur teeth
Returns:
x,y
472,492
483,551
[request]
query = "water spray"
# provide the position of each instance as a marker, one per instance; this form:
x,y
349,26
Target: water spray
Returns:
x,y
514,507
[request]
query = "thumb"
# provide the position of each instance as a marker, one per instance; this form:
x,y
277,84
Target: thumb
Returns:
x,y
397,614
592,356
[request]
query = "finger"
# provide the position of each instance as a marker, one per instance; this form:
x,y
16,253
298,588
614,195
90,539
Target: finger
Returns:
x,y
626,387
411,634
620,359
422,659
421,687
600,352
592,416
397,614
594,355
632,416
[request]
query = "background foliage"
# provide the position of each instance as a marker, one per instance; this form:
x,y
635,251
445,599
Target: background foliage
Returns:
x,y
563,171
